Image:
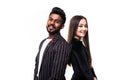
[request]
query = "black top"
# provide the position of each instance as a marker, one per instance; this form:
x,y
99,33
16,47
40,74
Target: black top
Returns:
x,y
79,60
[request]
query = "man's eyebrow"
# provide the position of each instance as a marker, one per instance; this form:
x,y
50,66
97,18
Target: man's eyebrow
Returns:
x,y
54,19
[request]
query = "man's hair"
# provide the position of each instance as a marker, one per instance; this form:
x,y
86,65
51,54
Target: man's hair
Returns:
x,y
60,12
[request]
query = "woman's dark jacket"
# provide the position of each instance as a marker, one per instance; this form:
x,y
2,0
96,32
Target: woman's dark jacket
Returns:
x,y
79,61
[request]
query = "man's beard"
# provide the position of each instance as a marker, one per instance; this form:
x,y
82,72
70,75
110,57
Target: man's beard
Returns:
x,y
53,32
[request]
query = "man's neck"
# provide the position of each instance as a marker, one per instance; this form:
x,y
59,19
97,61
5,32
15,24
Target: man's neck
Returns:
x,y
51,36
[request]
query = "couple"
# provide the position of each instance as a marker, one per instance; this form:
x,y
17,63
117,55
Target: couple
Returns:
x,y
55,53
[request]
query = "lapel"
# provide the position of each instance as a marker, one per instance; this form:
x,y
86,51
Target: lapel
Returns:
x,y
37,58
52,42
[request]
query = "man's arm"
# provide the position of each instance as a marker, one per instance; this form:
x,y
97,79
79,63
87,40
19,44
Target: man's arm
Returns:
x,y
60,62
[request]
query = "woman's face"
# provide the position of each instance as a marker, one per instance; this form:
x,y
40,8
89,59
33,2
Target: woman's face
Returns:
x,y
81,29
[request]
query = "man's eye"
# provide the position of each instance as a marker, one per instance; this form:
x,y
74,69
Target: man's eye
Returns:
x,y
58,21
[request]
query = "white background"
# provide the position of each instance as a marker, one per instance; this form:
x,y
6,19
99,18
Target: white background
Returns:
x,y
23,26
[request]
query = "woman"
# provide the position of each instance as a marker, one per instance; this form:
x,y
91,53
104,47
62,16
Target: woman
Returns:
x,y
80,57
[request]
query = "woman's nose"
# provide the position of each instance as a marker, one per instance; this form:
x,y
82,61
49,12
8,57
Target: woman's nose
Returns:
x,y
84,28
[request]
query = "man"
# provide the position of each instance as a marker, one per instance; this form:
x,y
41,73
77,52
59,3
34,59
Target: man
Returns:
x,y
53,53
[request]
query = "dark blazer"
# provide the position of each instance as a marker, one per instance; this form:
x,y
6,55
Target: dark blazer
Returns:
x,y
54,61
79,61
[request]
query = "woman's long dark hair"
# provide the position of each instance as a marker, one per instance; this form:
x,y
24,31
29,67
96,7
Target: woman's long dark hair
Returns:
x,y
71,33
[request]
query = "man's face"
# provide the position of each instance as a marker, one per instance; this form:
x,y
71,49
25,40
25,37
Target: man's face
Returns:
x,y
54,24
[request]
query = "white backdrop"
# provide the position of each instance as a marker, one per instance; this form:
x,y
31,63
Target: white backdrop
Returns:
x,y
23,26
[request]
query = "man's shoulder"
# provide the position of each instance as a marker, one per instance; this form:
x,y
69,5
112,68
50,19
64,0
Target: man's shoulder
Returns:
x,y
61,39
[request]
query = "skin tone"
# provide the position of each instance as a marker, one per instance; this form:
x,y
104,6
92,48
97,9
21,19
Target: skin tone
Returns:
x,y
54,24
81,32
82,29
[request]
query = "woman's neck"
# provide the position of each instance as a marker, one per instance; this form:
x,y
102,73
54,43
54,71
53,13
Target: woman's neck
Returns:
x,y
79,38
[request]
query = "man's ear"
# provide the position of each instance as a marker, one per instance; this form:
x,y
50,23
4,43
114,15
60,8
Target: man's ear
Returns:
x,y
62,26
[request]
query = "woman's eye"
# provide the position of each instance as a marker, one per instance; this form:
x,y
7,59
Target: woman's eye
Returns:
x,y
79,26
